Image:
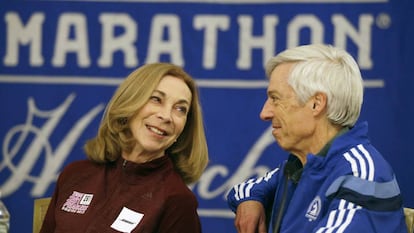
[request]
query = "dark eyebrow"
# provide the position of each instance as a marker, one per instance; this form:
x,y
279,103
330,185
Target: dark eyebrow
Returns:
x,y
181,101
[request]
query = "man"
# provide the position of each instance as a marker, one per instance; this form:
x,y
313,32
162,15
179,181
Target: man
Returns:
x,y
334,179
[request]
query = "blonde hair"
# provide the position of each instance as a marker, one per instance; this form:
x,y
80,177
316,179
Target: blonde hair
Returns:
x,y
189,153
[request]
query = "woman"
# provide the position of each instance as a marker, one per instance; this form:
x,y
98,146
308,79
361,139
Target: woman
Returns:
x,y
150,144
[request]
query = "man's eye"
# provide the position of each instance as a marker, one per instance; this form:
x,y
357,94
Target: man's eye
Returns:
x,y
274,98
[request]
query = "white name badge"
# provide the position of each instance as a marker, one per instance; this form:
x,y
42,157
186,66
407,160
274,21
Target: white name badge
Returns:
x,y
127,220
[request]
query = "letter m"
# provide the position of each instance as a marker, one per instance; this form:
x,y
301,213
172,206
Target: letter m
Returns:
x,y
29,34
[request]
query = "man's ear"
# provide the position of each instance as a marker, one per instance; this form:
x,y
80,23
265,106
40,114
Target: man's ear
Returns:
x,y
319,102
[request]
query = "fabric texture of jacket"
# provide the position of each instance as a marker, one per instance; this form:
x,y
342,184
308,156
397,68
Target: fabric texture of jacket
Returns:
x,y
122,197
350,189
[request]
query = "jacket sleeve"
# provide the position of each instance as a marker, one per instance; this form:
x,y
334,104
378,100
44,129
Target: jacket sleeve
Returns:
x,y
347,217
260,189
363,206
49,223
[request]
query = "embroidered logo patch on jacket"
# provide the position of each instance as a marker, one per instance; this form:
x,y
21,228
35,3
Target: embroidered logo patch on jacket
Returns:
x,y
314,209
77,202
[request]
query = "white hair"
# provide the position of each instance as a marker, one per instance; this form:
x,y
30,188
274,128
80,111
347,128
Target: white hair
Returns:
x,y
325,69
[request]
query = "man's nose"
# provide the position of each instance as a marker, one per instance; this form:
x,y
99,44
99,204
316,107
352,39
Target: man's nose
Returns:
x,y
266,114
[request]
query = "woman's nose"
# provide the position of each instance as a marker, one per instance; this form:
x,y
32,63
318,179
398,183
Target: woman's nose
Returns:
x,y
164,113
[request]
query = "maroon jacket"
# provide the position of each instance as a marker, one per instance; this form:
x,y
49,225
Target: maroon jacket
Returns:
x,y
137,198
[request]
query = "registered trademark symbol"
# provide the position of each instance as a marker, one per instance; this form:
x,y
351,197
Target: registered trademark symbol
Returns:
x,y
383,20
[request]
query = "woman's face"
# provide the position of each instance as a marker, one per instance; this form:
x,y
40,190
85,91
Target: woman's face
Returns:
x,y
162,119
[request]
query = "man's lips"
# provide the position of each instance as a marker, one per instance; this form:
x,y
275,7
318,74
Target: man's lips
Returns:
x,y
276,126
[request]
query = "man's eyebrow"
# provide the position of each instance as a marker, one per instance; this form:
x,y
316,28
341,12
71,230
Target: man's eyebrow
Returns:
x,y
271,92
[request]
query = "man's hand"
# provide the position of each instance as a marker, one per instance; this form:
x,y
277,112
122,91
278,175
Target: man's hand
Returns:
x,y
250,218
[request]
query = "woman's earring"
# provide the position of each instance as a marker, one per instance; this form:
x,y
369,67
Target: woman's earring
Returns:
x,y
123,120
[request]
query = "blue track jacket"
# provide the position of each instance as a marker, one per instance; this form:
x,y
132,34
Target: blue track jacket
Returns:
x,y
350,189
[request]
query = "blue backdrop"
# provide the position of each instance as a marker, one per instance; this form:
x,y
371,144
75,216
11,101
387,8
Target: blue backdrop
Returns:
x,y
60,62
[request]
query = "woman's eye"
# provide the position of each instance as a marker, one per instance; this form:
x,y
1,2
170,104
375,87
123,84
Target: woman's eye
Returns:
x,y
155,99
182,109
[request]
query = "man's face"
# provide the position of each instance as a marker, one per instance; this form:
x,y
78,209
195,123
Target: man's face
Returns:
x,y
293,123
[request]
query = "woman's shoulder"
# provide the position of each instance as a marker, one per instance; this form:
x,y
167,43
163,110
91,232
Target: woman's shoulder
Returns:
x,y
181,194
80,168
79,164
175,186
